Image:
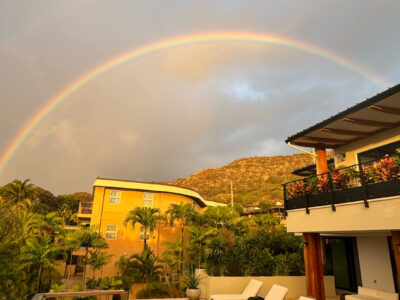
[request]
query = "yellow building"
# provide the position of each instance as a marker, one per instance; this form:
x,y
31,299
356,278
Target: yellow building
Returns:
x,y
113,199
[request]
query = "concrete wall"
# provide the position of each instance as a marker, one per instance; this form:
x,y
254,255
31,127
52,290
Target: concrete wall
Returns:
x,y
382,214
211,285
376,268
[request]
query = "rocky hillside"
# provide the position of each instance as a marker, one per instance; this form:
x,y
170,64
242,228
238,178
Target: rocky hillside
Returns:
x,y
255,179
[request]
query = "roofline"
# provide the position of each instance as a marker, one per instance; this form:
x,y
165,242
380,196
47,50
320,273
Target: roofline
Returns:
x,y
387,93
198,198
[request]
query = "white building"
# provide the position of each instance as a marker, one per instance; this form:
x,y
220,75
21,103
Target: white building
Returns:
x,y
350,217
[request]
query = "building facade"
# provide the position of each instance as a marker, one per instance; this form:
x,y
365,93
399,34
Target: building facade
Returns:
x,y
113,199
349,216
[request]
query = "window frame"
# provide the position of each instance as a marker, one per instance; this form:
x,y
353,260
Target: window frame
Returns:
x,y
119,192
144,204
111,231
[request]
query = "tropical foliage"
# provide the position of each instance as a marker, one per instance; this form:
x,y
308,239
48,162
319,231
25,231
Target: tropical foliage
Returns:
x,y
33,239
34,236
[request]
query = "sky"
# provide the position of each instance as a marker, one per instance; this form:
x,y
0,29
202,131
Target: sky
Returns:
x,y
174,112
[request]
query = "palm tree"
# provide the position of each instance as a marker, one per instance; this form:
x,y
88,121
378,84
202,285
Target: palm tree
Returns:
x,y
146,263
129,270
50,225
200,236
147,217
38,253
71,242
184,213
20,192
90,239
97,260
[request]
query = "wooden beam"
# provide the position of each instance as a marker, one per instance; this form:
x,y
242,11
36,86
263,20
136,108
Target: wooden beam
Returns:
x,y
313,265
386,109
369,123
315,145
396,251
345,132
325,140
321,161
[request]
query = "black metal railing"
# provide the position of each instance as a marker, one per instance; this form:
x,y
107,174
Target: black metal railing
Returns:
x,y
364,181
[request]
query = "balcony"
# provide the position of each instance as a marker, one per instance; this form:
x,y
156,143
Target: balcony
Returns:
x,y
361,182
85,209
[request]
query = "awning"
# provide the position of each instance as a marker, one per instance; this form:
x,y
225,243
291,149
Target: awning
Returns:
x,y
372,116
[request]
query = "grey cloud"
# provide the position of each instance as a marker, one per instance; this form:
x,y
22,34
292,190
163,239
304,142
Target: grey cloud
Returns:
x,y
170,114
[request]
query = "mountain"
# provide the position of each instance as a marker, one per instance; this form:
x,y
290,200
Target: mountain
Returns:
x,y
254,179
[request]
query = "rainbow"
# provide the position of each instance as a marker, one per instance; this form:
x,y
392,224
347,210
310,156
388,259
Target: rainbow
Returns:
x,y
170,43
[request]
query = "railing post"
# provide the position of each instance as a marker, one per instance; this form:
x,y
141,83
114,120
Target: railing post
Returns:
x,y
307,209
331,193
363,184
284,199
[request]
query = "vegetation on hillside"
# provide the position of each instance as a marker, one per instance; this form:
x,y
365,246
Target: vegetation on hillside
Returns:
x,y
254,179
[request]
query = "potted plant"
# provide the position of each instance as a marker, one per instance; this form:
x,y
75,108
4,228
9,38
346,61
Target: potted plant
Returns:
x,y
191,282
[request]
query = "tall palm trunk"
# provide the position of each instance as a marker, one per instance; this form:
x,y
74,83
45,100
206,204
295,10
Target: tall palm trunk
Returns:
x,y
38,282
84,270
69,271
183,237
145,239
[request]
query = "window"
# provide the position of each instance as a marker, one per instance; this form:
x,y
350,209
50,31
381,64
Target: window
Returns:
x,y
115,197
378,153
142,229
111,232
148,199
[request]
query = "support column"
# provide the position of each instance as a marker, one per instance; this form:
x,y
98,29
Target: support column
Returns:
x,y
321,161
396,250
313,266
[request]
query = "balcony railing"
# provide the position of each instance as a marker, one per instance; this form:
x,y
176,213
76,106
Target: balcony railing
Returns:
x,y
361,182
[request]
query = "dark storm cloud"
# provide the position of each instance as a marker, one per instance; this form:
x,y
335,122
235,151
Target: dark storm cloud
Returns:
x,y
175,112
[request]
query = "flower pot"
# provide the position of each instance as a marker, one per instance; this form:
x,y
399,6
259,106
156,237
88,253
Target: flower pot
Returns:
x,y
193,294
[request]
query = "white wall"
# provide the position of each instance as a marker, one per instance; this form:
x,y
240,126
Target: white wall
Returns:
x,y
382,214
212,285
376,268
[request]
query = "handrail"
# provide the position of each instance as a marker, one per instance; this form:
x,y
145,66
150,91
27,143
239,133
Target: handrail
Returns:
x,y
327,186
40,296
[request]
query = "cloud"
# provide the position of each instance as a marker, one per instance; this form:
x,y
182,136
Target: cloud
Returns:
x,y
174,112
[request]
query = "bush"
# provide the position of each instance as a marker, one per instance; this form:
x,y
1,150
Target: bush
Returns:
x,y
154,290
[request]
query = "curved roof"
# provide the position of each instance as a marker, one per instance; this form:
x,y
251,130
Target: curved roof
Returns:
x,y
148,186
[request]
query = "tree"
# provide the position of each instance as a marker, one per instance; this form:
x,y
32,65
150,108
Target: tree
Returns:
x,y
200,236
68,207
146,263
97,260
20,193
147,217
70,243
50,225
184,213
129,270
90,239
39,253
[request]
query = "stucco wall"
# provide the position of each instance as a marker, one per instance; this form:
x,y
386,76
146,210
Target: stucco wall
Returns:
x,y
376,269
128,239
211,285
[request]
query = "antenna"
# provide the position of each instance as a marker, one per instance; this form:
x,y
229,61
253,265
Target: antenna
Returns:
x,y
231,193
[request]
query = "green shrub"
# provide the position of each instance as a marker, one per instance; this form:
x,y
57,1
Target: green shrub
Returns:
x,y
154,290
